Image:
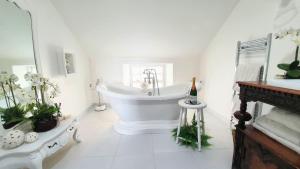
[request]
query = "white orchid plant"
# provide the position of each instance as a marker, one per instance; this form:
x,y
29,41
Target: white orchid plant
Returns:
x,y
25,104
294,34
14,113
44,91
292,69
8,85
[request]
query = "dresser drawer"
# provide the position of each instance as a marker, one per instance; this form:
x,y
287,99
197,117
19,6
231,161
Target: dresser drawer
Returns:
x,y
52,146
258,156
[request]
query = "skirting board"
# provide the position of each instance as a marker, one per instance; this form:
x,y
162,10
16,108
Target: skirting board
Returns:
x,y
87,110
145,127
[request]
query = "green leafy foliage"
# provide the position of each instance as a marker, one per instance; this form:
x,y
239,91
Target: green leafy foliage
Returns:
x,y
188,136
294,73
294,65
13,114
284,66
292,69
44,111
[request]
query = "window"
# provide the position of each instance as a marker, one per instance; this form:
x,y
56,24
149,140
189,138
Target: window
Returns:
x,y
133,73
20,70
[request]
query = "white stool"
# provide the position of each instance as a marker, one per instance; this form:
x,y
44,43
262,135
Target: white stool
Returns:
x,y
199,118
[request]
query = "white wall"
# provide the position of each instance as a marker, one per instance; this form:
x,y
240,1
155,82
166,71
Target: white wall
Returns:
x,y
120,31
249,20
53,34
110,68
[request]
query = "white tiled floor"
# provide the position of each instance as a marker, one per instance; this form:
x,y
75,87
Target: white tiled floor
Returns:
x,y
103,148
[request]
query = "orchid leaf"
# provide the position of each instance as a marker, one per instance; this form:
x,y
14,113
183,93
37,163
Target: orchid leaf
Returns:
x,y
284,66
13,114
294,65
294,73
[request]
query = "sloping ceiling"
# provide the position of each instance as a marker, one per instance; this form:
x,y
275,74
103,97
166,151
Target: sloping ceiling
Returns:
x,y
144,28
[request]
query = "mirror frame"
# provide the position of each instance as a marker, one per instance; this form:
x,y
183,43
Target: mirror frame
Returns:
x,y
24,6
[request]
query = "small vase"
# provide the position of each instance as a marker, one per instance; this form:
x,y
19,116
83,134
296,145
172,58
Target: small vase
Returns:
x,y
46,124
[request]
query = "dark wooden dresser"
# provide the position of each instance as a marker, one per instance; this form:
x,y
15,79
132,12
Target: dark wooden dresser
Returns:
x,y
252,148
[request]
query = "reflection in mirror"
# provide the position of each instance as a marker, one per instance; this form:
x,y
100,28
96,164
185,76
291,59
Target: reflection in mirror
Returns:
x,y
16,43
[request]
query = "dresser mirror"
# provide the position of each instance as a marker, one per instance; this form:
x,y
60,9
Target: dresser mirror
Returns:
x,y
17,55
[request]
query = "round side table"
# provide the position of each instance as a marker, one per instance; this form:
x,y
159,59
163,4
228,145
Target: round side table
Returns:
x,y
199,118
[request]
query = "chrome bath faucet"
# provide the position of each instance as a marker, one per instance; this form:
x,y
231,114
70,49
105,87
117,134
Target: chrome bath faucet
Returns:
x,y
151,78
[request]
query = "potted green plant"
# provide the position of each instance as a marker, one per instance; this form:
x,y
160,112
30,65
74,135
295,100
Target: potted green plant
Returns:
x,y
14,112
292,69
45,114
12,116
188,135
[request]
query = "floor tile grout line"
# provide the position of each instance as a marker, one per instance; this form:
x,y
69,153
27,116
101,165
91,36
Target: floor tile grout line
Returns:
x,y
153,153
116,152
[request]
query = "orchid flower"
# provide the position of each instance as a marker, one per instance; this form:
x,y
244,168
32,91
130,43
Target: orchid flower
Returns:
x,y
42,85
293,33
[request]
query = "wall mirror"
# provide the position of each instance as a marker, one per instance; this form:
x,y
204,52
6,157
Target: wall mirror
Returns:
x,y
17,54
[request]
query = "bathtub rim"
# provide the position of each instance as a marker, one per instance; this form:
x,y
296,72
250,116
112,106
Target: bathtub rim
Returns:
x,y
109,93
141,96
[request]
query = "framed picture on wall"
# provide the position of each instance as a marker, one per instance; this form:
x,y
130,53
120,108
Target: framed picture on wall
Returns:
x,y
67,63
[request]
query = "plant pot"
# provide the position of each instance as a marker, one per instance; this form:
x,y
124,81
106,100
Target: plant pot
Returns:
x,y
10,125
44,125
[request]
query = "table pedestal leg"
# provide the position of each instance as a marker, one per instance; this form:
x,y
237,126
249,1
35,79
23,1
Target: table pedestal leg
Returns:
x,y
36,161
76,136
198,129
185,117
202,121
179,125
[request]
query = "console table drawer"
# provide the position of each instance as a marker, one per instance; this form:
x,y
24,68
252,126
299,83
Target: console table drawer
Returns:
x,y
52,147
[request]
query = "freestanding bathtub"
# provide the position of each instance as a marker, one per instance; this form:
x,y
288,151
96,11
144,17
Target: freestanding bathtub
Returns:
x,y
140,113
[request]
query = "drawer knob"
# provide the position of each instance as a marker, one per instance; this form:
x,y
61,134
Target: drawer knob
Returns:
x,y
54,144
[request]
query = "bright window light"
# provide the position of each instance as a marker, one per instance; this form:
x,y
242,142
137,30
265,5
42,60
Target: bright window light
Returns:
x,y
20,70
133,73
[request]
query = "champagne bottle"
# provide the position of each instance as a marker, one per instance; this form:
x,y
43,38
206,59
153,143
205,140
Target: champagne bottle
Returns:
x,y
193,92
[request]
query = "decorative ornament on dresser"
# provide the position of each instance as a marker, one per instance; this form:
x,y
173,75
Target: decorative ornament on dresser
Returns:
x,y
13,139
292,69
31,137
100,106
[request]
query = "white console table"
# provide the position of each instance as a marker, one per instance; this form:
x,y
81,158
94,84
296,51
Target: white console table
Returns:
x,y
31,155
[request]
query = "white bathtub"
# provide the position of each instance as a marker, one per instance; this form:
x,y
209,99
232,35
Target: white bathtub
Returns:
x,y
140,113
